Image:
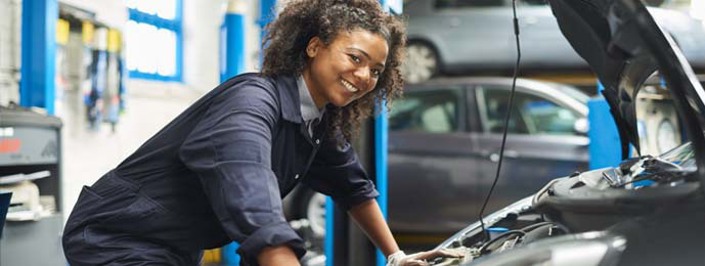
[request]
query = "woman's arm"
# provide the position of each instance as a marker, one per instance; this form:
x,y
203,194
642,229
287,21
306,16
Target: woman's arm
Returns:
x,y
369,217
230,151
277,255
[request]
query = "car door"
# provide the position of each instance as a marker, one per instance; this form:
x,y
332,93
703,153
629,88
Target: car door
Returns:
x,y
427,167
542,142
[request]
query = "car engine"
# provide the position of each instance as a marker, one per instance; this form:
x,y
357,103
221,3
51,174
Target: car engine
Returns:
x,y
598,217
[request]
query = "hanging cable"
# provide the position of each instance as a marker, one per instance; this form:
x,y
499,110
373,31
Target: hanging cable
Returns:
x,y
506,118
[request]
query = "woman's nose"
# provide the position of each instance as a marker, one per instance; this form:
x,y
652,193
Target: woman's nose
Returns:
x,y
363,74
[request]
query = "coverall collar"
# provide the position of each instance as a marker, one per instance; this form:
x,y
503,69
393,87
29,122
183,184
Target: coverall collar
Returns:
x,y
290,102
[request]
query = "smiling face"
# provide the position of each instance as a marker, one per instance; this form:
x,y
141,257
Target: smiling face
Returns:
x,y
346,69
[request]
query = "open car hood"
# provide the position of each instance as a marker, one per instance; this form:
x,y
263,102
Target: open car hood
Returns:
x,y
624,46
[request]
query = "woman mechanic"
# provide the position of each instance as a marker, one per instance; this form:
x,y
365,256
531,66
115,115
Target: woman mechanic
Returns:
x,y
218,171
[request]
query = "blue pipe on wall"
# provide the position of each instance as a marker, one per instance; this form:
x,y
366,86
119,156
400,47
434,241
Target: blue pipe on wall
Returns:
x,y
267,13
37,84
232,38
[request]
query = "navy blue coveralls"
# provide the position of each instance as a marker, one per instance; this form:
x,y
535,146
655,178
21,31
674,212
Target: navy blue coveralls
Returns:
x,y
215,174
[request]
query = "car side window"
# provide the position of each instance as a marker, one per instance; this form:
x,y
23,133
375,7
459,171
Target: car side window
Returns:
x,y
468,3
433,111
531,114
494,104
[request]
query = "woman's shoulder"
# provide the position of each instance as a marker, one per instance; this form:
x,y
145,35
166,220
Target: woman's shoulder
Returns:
x,y
256,89
248,84
255,79
251,78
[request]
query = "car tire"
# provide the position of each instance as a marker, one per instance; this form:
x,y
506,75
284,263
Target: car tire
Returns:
x,y
421,62
311,205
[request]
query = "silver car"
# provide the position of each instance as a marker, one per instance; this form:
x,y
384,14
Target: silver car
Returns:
x,y
466,36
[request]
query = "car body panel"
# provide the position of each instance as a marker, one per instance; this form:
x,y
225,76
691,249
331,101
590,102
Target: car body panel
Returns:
x,y
445,172
625,45
493,46
480,36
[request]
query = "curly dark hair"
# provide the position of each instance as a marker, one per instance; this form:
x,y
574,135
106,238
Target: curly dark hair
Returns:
x,y
287,38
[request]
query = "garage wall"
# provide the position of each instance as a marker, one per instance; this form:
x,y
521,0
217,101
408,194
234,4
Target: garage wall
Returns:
x,y
202,19
150,104
10,15
697,9
201,41
111,12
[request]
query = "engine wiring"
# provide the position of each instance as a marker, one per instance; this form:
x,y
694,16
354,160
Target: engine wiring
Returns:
x,y
506,118
634,173
488,246
517,236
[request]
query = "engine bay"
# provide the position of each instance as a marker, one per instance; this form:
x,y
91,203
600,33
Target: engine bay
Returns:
x,y
584,216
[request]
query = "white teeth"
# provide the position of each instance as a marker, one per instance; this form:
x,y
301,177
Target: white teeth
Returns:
x,y
348,86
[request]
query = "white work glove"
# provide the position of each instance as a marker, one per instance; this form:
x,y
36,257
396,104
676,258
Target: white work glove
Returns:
x,y
399,258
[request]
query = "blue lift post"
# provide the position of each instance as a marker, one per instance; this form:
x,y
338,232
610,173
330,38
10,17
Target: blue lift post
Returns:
x,y
603,133
232,63
37,83
381,148
381,139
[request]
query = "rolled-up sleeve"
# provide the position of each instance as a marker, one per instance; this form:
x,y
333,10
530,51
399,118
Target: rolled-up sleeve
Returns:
x,y
230,151
336,171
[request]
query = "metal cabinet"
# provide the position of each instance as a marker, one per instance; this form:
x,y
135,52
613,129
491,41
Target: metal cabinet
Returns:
x,y
30,148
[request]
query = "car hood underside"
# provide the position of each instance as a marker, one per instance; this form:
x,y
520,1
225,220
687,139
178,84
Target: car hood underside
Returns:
x,y
624,46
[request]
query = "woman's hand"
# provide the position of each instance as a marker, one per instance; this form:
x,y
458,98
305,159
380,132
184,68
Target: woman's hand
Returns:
x,y
421,258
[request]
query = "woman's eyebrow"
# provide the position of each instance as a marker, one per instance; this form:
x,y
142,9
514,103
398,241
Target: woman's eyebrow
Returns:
x,y
367,55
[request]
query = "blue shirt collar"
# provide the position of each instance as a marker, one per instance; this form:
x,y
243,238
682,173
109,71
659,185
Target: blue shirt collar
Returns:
x,y
308,107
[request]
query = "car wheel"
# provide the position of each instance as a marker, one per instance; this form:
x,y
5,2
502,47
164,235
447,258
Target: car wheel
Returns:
x,y
313,208
421,62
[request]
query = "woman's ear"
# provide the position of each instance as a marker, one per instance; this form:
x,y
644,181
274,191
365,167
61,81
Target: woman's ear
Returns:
x,y
313,45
